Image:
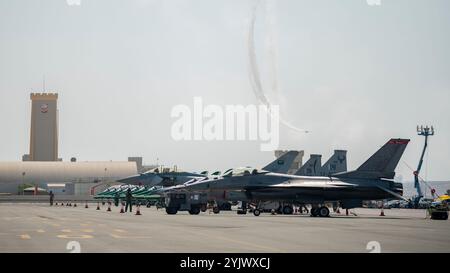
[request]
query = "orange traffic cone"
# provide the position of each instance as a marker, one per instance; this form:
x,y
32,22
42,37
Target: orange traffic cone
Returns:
x,y
121,209
109,206
98,206
138,210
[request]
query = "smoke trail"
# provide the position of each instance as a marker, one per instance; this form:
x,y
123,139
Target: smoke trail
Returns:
x,y
254,73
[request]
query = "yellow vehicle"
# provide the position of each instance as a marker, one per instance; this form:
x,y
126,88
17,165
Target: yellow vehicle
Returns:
x,y
439,209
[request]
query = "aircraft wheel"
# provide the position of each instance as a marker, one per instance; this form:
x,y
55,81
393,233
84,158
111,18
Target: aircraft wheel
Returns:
x,y
288,210
256,212
171,210
216,210
324,212
194,211
226,206
203,208
314,212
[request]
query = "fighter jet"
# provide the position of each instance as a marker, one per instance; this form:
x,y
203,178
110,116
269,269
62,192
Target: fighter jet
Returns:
x,y
373,180
164,178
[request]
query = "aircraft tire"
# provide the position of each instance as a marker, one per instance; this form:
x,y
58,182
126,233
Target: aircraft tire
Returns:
x,y
314,212
216,210
203,208
323,212
256,212
288,210
226,206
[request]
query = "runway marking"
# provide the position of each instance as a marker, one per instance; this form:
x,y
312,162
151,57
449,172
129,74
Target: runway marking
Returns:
x,y
25,237
40,231
120,230
87,230
56,225
82,236
129,237
66,230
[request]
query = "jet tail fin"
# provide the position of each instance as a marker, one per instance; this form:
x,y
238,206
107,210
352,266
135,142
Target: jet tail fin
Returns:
x,y
311,167
382,164
283,163
336,164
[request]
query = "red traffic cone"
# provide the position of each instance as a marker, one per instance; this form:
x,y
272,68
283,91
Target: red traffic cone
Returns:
x,y
121,209
86,206
98,206
138,210
109,206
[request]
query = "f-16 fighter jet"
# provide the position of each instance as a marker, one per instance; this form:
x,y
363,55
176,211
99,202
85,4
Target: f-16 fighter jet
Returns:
x,y
373,180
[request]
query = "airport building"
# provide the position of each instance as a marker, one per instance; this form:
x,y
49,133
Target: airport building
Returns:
x,y
44,127
42,167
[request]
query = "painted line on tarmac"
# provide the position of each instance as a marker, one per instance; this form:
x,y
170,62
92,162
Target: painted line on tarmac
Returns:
x,y
24,236
116,236
120,230
87,230
75,236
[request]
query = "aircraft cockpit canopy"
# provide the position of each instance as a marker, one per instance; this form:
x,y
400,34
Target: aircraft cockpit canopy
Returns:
x,y
243,172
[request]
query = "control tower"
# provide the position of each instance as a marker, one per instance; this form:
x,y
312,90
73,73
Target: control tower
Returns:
x,y
44,127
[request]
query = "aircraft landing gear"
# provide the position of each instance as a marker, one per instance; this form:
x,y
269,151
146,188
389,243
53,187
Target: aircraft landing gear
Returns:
x,y
314,212
256,212
321,212
216,210
288,210
324,212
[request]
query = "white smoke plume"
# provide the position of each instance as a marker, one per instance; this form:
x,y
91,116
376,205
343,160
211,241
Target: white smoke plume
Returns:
x,y
254,72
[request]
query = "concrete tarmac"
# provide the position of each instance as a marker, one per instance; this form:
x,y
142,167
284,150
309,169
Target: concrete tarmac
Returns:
x,y
41,228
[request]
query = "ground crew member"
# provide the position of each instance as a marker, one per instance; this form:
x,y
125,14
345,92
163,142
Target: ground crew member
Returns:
x,y
128,198
116,199
52,197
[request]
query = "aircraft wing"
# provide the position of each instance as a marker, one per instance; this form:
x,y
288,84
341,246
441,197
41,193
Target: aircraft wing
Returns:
x,y
147,179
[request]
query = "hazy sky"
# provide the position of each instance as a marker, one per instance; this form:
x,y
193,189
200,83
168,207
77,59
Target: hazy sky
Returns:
x,y
355,75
